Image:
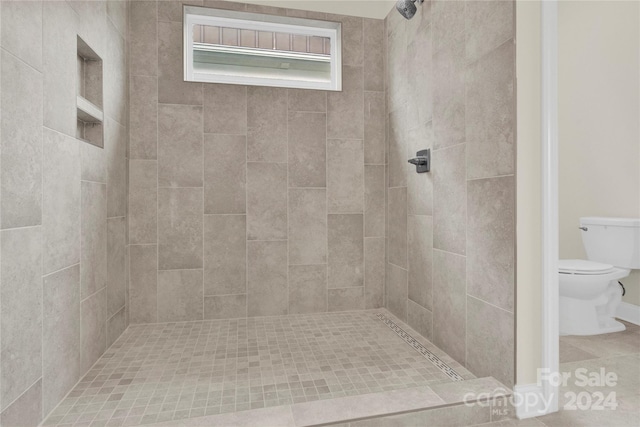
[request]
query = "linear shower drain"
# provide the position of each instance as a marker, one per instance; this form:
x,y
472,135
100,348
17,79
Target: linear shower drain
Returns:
x,y
435,360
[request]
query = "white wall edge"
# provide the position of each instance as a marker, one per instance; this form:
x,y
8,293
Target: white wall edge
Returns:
x,y
629,313
529,401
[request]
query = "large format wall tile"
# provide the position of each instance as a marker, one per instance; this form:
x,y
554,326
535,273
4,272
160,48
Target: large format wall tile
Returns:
x,y
491,240
116,272
420,319
374,200
21,130
26,410
93,164
93,328
60,335
180,295
59,60
143,34
345,115
491,114
490,341
420,230
143,130
488,24
449,305
345,176
180,146
172,89
352,39
307,289
447,23
449,93
397,211
307,149
374,271
399,124
267,278
60,201
419,71
266,124
374,128
171,10
225,109
346,299
115,75
26,45
449,192
266,201
225,254
225,307
307,100
116,325
143,283
307,226
419,185
346,251
396,291
225,174
93,238
20,311
373,61
116,150
143,201
179,228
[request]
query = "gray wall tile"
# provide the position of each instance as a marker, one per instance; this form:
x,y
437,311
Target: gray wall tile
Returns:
x,y
93,163
488,24
225,109
143,44
346,251
307,289
225,307
61,366
374,200
345,299
93,238
143,201
143,283
225,174
374,128
266,201
180,295
449,305
21,129
352,39
448,22
26,410
26,45
61,201
307,149
307,100
115,146
419,185
172,89
116,325
374,271
225,255
345,115
307,226
419,71
373,61
20,311
420,319
491,240
267,278
179,228
345,176
399,124
449,191
116,273
420,230
115,75
397,211
266,124
93,328
491,114
396,291
143,131
180,146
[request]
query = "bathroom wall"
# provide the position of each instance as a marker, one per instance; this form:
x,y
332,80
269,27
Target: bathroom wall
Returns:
x,y
451,232
62,203
599,130
253,201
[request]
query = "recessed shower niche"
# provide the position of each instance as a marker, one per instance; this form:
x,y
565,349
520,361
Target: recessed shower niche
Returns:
x,y
89,97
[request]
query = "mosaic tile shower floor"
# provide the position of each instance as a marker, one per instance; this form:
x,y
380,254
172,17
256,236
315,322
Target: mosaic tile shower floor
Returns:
x,y
172,371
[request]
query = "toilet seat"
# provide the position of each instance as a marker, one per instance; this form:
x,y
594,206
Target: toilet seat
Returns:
x,y
584,267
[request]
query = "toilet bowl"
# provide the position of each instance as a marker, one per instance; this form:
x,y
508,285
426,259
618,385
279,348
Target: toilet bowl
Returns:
x,y
589,290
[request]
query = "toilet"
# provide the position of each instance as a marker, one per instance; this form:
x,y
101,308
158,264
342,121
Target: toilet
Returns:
x,y
589,290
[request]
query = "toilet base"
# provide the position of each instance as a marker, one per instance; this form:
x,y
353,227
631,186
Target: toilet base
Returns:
x,y
591,316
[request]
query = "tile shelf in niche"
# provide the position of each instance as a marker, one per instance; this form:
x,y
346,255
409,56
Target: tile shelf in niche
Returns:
x,y
89,108
87,111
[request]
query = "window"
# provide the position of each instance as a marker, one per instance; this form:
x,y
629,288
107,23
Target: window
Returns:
x,y
223,46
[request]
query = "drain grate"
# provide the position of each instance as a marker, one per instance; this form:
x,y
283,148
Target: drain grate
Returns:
x,y
443,367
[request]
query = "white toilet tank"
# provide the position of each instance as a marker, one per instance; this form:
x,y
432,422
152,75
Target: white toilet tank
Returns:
x,y
614,241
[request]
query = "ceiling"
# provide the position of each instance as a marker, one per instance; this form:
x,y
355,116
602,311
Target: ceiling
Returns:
x,y
365,8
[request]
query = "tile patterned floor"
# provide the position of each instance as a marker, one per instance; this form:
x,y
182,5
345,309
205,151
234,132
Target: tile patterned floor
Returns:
x,y
173,371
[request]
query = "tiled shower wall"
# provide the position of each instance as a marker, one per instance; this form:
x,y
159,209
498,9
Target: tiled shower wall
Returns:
x,y
451,233
63,203
253,201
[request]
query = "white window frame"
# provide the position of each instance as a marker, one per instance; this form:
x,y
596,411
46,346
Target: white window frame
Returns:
x,y
194,15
